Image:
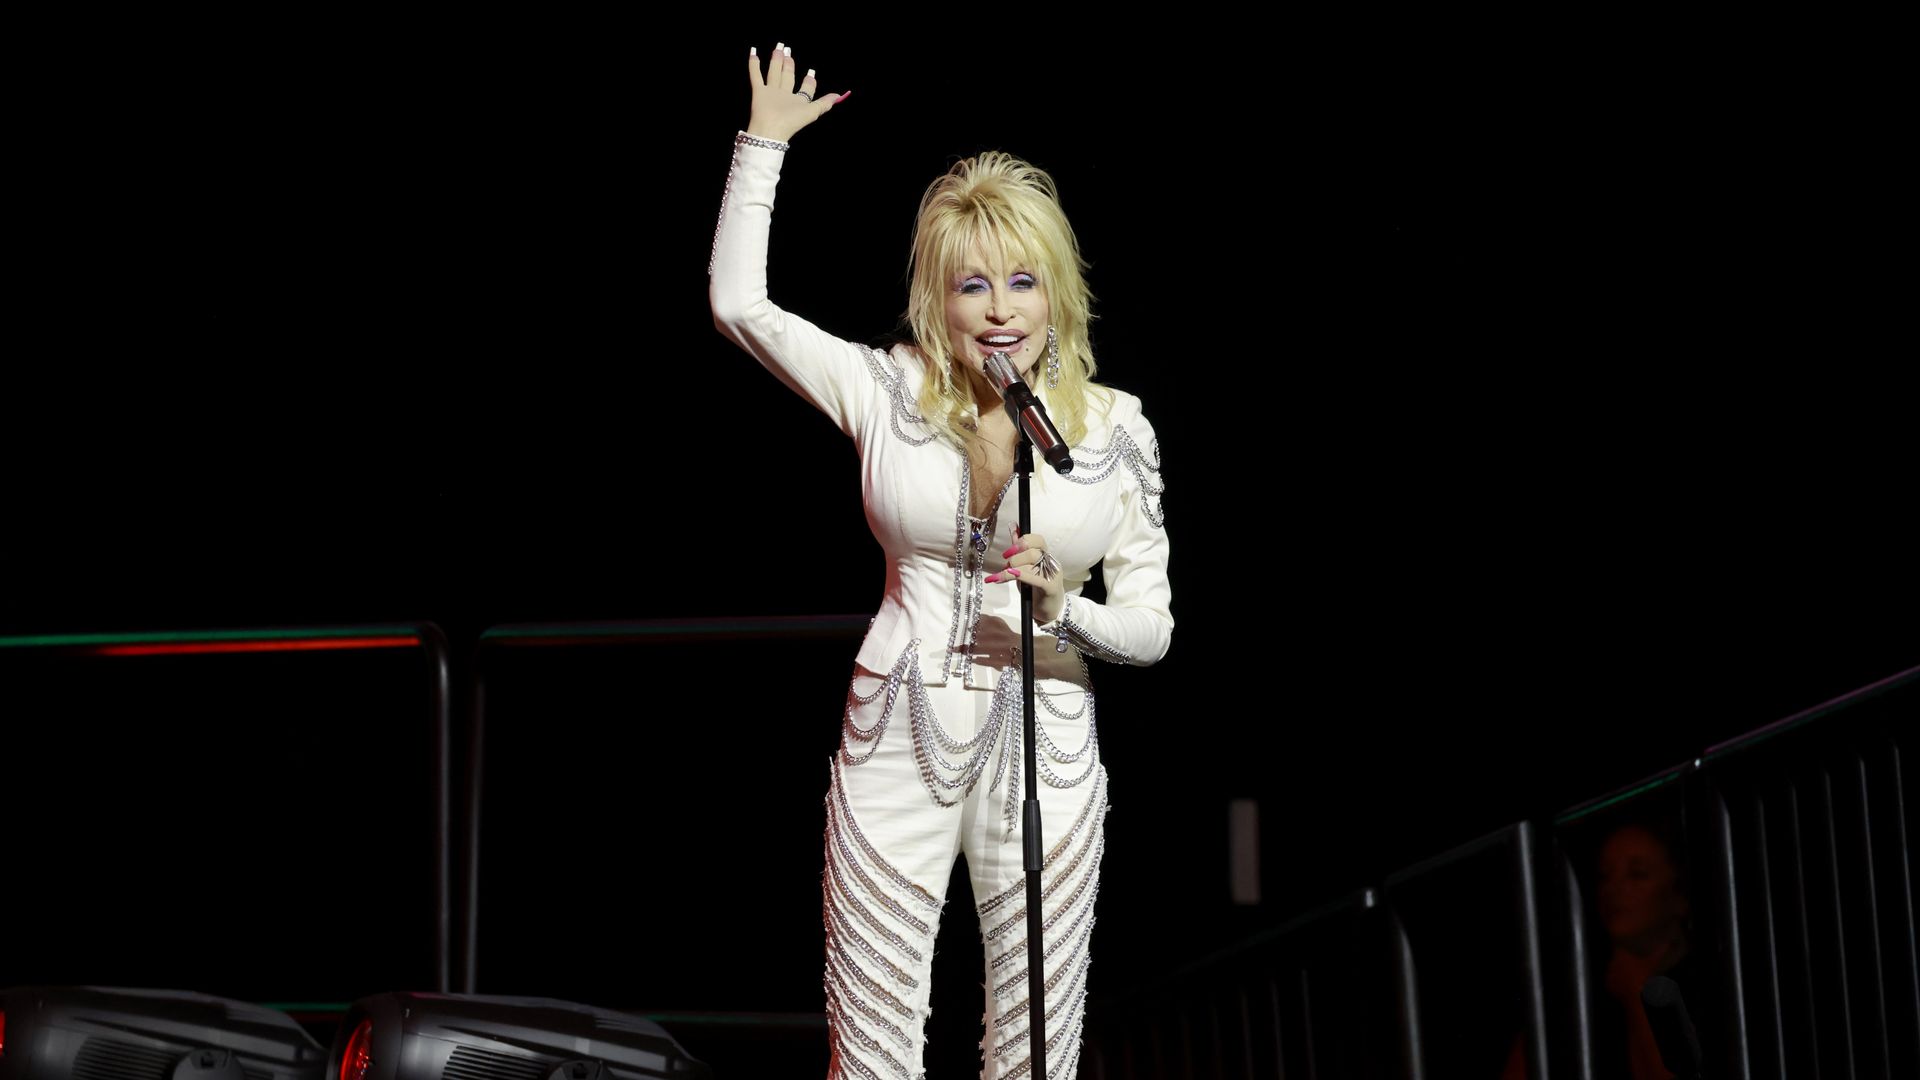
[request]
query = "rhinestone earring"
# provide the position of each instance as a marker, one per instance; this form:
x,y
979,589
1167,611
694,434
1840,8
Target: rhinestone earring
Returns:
x,y
1053,358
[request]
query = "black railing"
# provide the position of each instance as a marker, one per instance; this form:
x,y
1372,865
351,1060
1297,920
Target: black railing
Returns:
x,y
1790,886
111,787
1790,857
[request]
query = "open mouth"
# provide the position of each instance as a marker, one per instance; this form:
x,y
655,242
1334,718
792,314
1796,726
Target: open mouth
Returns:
x,y
1006,343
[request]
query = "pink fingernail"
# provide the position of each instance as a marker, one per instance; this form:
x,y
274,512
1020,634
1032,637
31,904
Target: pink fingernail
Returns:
x,y
1014,570
1008,554
843,97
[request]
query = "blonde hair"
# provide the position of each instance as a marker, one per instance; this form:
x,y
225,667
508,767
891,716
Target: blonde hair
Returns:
x,y
1010,208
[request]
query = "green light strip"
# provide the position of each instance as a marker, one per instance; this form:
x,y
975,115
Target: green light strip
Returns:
x,y
58,640
1576,815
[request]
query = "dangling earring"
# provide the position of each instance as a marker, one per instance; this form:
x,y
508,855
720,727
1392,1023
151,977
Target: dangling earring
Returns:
x,y
1053,358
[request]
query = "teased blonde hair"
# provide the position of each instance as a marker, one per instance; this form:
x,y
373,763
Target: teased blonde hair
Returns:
x,y
1012,209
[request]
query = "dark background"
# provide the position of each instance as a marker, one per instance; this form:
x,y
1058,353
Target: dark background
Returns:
x,y
1534,414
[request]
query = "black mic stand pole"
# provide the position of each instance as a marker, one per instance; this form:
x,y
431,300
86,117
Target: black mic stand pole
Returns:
x,y
1030,818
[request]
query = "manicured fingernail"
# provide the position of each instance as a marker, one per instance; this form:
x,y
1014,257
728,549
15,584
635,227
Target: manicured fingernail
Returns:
x,y
1008,554
993,579
809,73
788,53
843,97
753,50
1014,570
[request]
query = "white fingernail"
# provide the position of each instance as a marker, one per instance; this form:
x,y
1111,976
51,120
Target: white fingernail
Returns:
x,y
809,73
788,53
753,50
776,46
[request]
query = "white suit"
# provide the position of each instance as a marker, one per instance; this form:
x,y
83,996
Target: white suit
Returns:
x,y
905,797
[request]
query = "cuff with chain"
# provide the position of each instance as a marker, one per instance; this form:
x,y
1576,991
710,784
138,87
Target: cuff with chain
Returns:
x,y
744,139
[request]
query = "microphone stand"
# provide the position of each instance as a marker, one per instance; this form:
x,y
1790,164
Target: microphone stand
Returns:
x,y
1015,394
1030,817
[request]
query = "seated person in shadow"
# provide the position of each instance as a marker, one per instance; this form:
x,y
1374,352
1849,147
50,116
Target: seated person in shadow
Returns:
x,y
1640,897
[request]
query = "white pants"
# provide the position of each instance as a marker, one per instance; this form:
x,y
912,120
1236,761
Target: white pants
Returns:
x,y
923,773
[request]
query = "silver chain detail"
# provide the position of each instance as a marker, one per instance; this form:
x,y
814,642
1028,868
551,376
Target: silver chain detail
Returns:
x,y
888,374
932,741
1144,465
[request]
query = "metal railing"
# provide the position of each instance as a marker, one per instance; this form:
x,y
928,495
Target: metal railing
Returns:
x,y
1798,837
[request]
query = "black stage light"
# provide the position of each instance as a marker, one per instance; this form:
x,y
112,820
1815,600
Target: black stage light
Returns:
x,y
405,1036
97,1033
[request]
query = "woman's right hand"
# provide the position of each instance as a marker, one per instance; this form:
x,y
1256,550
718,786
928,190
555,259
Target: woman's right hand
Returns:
x,y
779,109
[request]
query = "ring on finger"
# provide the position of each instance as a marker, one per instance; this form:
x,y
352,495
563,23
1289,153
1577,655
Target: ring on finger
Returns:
x,y
1047,566
804,94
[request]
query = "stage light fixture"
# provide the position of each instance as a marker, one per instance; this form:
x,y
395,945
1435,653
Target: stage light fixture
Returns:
x,y
416,1036
100,1033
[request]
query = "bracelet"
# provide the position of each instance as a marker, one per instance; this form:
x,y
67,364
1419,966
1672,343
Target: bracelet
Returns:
x,y
744,139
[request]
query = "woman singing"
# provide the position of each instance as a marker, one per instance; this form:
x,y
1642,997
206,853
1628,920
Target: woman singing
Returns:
x,y
929,760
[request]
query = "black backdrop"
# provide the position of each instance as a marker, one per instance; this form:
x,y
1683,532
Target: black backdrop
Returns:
x,y
1529,410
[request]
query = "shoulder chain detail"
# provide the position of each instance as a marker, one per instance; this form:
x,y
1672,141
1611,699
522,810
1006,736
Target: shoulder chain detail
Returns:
x,y
888,374
1091,467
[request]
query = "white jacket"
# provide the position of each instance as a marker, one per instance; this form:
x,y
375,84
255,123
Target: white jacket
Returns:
x,y
915,487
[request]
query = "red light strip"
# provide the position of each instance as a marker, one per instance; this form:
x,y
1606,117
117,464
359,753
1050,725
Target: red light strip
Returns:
x,y
297,645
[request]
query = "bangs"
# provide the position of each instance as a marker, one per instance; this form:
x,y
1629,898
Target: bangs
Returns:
x,y
995,232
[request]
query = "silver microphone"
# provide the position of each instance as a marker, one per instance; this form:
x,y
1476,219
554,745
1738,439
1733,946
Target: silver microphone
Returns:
x,y
1027,412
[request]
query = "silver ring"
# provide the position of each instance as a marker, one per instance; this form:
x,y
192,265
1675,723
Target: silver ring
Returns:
x,y
804,94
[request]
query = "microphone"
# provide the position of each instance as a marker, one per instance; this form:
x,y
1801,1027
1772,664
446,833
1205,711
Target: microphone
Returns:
x,y
1673,1031
1028,414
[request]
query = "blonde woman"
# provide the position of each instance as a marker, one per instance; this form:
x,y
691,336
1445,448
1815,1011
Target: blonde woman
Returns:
x,y
929,761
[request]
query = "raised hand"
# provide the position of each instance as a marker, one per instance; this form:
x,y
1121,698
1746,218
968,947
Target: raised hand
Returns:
x,y
779,109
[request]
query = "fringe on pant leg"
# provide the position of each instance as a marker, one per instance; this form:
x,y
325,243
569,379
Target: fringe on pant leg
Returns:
x,y
1070,881
880,928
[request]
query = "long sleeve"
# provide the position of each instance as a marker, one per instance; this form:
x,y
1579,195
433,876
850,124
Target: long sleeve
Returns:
x,y
838,377
1135,625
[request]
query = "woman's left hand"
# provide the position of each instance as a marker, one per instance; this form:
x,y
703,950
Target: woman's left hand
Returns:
x,y
1029,563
